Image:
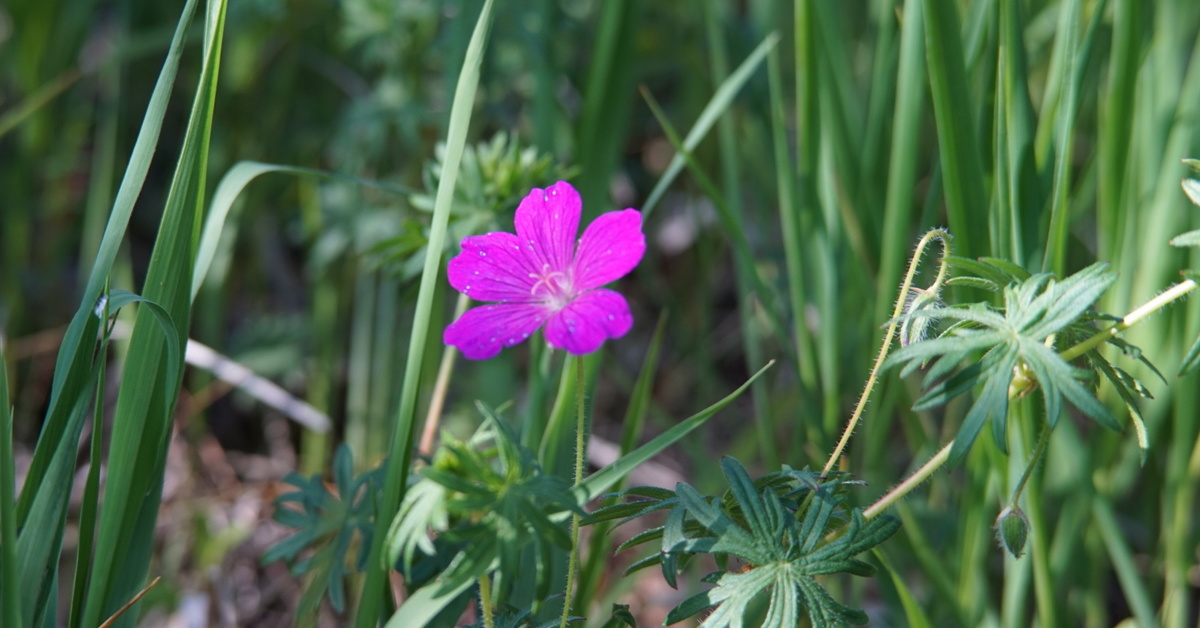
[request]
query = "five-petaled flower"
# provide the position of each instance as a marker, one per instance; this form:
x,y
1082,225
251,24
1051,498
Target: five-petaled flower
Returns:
x,y
541,275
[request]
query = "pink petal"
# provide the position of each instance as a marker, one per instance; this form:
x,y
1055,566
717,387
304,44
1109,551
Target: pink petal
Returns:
x,y
547,223
588,321
481,332
492,267
610,247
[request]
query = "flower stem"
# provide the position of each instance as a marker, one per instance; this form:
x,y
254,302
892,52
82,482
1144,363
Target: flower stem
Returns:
x,y
580,449
1131,319
1038,451
485,601
433,417
909,484
942,236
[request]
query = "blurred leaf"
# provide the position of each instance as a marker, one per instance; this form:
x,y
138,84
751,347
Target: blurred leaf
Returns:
x,y
10,591
721,100
1191,187
326,523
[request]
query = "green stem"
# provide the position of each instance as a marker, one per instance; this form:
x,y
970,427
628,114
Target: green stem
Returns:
x,y
1038,450
485,601
942,236
1153,305
909,484
580,450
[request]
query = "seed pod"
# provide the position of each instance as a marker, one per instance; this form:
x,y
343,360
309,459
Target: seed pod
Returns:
x,y
1012,530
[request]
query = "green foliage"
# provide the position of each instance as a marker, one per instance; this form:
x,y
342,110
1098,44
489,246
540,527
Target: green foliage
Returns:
x,y
493,177
1015,341
508,617
327,522
487,501
1191,187
785,528
621,617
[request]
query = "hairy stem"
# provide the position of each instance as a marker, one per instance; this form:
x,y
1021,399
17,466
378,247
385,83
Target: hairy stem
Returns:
x,y
485,601
942,236
1149,307
580,448
909,484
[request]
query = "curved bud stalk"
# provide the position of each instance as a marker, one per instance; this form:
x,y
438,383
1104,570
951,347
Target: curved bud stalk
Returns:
x,y
905,303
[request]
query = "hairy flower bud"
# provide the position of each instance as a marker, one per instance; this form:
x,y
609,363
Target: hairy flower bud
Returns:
x,y
1012,530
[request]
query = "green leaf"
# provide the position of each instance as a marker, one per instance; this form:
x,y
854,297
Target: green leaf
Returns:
x,y
400,449
10,592
1191,187
1191,238
326,523
1191,359
1037,308
779,527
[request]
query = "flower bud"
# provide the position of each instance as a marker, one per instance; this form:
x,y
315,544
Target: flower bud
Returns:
x,y
1012,530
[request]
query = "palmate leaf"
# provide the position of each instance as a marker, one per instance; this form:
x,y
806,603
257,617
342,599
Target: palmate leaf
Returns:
x,y
326,524
1012,341
487,501
785,528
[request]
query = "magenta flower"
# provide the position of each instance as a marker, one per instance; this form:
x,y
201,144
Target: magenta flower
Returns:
x,y
542,276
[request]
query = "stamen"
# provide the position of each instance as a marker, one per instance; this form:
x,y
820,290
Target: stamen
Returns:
x,y
555,282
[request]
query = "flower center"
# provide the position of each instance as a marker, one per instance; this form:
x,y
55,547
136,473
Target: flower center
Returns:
x,y
552,286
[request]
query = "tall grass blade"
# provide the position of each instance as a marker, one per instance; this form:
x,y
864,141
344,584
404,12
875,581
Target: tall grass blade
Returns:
x,y
12,118
602,480
716,106
145,403
1117,126
962,171
231,186
902,165
400,452
1075,54
610,80
790,223
1132,583
10,592
75,353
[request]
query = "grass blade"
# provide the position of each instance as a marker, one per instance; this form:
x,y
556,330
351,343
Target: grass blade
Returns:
x,y
231,186
401,446
605,478
962,171
74,356
716,106
10,592
142,420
